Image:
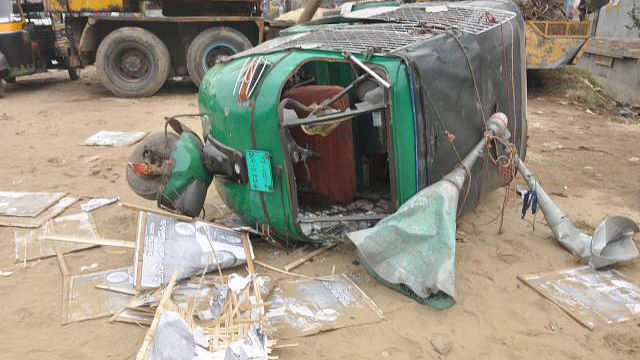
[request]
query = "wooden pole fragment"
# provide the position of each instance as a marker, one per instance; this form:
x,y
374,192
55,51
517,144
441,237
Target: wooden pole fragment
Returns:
x,y
104,242
294,264
145,349
152,210
273,268
117,290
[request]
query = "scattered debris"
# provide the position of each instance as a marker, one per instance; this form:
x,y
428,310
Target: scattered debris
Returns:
x,y
97,203
114,138
306,307
541,9
553,145
441,345
26,204
85,268
634,159
37,221
84,301
30,244
294,264
6,273
589,296
190,244
91,159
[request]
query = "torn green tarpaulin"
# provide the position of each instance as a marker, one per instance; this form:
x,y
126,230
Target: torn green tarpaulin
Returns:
x,y
413,250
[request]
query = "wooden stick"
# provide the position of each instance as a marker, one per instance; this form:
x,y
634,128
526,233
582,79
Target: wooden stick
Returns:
x,y
117,290
64,269
273,268
156,211
104,242
145,349
309,256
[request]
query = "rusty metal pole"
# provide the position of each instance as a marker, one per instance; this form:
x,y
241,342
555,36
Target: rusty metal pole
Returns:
x,y
310,9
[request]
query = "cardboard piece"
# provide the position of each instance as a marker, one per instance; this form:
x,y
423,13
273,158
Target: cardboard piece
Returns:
x,y
114,138
165,244
589,296
84,301
35,222
307,307
26,204
31,246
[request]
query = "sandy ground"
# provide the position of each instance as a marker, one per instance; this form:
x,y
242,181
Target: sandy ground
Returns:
x,y
43,118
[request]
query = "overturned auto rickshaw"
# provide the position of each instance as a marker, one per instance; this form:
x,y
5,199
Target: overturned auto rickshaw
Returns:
x,y
31,41
343,125
314,135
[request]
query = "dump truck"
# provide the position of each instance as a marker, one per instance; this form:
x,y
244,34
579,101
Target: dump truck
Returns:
x,y
137,45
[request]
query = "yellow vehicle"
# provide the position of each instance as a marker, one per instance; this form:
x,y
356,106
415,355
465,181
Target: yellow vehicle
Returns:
x,y
28,42
551,44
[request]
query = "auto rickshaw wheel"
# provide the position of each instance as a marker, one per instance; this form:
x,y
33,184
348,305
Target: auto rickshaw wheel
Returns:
x,y
133,62
1,88
10,80
153,151
74,73
209,46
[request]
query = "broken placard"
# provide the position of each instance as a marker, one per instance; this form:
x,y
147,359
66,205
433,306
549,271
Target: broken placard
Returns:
x,y
96,203
84,301
30,244
26,204
307,307
589,296
165,244
35,222
114,138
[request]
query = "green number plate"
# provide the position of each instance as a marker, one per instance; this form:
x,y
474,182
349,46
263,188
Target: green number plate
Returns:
x,y
259,168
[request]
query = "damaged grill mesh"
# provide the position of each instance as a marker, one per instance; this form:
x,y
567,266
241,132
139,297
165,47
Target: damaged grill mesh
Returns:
x,y
404,26
382,38
473,20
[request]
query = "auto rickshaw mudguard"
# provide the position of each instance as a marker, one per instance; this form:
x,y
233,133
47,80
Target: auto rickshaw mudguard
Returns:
x,y
186,187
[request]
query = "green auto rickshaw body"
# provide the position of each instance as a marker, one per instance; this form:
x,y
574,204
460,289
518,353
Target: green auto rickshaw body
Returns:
x,y
441,89
255,126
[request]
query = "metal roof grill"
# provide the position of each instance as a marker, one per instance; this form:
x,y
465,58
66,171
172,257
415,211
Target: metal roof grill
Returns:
x,y
402,27
474,20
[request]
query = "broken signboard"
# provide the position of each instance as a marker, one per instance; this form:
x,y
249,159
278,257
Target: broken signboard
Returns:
x,y
189,244
307,307
37,221
589,296
84,301
30,244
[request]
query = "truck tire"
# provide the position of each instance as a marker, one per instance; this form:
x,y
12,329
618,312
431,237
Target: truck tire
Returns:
x,y
74,73
149,186
211,44
133,62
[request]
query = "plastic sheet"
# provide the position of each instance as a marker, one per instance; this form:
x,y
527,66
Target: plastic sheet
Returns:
x,y
114,138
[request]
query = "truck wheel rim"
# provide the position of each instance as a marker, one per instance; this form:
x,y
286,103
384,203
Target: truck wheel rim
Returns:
x,y
214,53
133,64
